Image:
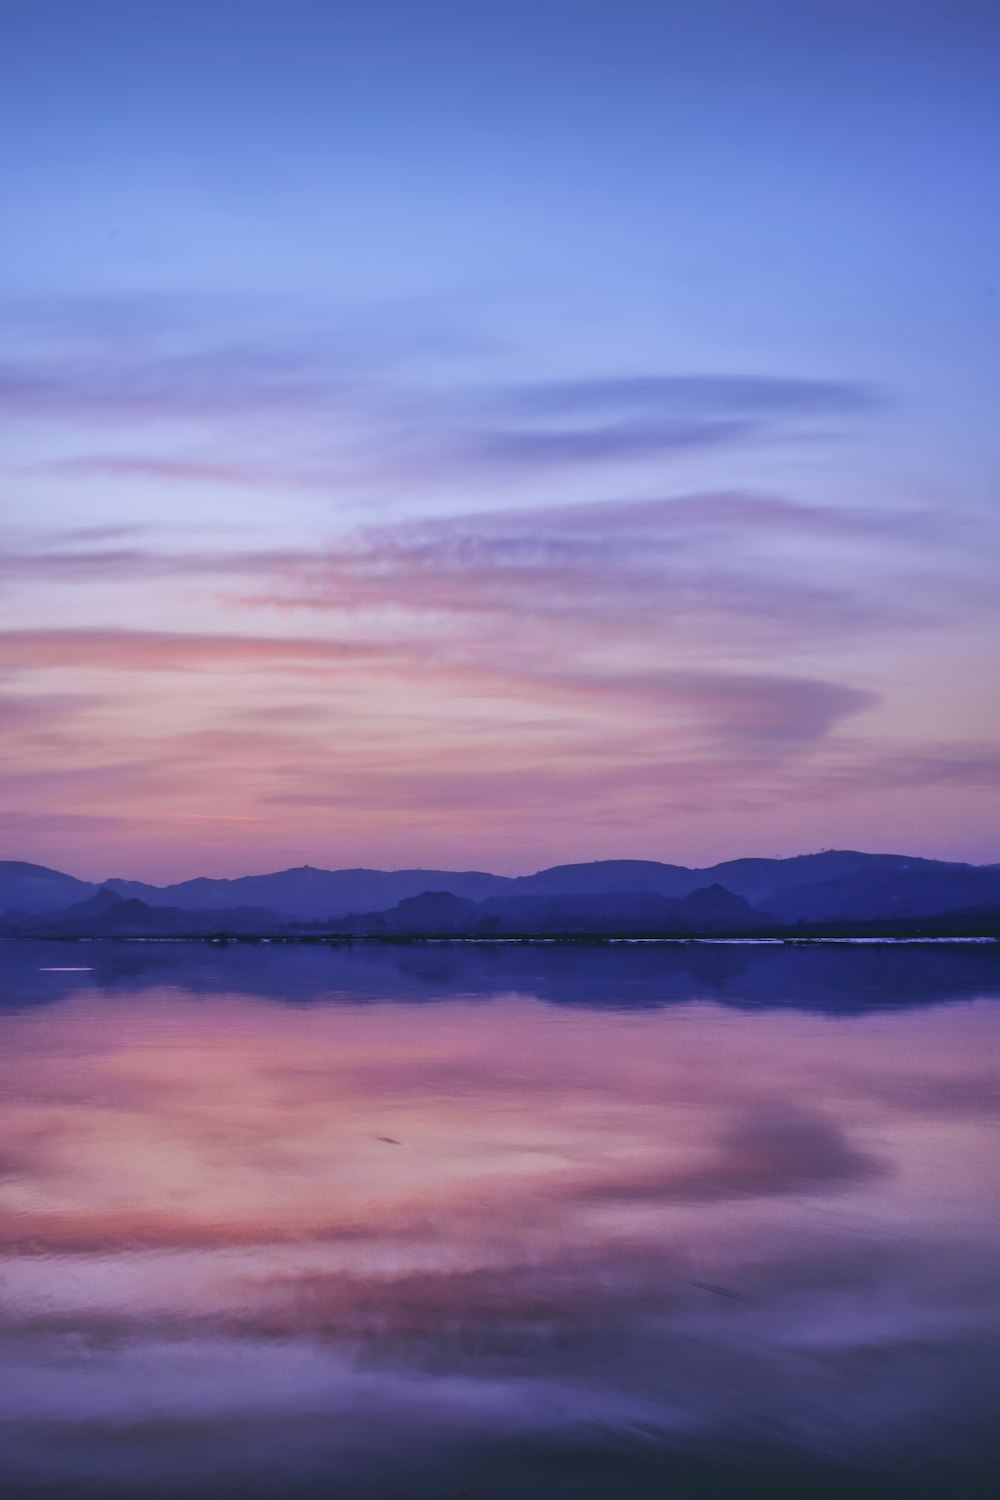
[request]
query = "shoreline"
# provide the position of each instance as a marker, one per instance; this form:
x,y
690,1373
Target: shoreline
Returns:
x,y
564,939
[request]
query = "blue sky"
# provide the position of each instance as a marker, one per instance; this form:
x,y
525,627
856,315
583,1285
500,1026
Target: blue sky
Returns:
x,y
327,322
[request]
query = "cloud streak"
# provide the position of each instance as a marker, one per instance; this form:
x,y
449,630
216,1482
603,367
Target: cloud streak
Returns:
x,y
749,708
526,647
608,566
691,395
640,416
480,561
171,651
160,367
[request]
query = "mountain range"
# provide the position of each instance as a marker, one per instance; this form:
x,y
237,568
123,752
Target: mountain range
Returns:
x,y
806,892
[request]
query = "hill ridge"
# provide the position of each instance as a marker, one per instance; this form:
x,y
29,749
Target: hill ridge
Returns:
x,y
829,885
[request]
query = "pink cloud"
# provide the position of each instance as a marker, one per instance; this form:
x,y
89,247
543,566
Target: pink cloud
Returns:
x,y
170,651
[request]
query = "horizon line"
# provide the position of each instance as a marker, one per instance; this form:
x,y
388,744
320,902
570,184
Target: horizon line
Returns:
x,y
472,870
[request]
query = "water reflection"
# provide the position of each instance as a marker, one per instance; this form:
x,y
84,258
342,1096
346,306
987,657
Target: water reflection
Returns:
x,y
718,1221
838,978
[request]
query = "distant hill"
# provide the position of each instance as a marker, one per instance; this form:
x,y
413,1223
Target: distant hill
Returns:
x,y
764,881
106,914
757,880
611,912
309,894
920,890
33,888
832,887
604,875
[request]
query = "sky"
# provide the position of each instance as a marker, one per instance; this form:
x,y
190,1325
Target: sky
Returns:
x,y
481,435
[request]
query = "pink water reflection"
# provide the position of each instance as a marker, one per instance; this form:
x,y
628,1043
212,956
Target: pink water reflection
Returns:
x,y
239,1236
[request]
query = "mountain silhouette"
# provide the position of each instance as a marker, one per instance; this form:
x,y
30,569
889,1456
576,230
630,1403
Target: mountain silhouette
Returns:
x,y
803,892
309,894
33,888
919,891
610,912
106,914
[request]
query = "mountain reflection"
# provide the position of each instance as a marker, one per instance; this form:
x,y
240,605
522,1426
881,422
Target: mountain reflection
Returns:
x,y
719,1221
838,978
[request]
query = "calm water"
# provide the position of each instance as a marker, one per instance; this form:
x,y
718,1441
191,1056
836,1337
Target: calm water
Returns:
x,y
482,1221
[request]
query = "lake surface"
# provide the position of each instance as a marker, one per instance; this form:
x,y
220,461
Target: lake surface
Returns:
x,y
469,1221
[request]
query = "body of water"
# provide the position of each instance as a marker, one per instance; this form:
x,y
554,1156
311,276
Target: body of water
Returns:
x,y
469,1221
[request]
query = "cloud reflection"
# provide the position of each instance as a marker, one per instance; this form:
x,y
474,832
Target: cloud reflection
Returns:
x,y
505,1229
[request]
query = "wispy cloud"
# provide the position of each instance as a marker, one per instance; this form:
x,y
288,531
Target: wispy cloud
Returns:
x,y
642,416
29,712
171,651
510,658
524,536
689,395
602,567
688,564
529,448
34,823
88,565
170,470
346,397
752,708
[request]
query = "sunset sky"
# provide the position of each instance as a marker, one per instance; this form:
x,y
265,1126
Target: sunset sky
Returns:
x,y
478,434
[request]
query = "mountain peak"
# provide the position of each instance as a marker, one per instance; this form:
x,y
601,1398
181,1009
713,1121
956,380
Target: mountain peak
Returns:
x,y
828,886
